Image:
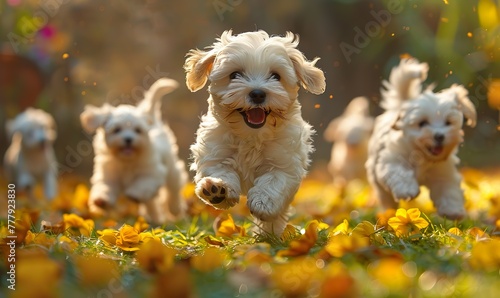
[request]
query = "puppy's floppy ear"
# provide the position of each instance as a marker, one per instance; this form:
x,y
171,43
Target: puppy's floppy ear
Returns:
x,y
198,66
310,77
464,104
93,117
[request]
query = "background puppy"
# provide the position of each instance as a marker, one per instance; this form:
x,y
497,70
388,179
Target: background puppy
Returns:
x,y
30,157
415,141
135,153
253,140
350,133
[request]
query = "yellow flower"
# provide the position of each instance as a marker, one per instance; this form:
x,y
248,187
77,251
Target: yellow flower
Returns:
x,y
338,282
24,220
154,257
342,228
407,222
108,236
39,239
36,275
140,224
389,273
128,238
76,225
211,259
296,277
228,228
305,242
289,233
341,244
484,255
383,217
96,271
367,229
477,233
455,231
152,235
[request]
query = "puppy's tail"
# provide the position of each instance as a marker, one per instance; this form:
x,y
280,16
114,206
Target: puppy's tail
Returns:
x,y
405,82
151,103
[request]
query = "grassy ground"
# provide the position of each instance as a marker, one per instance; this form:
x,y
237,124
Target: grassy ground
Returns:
x,y
337,245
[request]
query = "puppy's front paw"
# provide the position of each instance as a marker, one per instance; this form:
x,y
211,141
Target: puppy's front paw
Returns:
x,y
217,193
98,206
406,190
262,206
451,208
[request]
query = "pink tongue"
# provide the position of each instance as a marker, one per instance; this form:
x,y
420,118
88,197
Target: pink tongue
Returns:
x,y
437,150
127,151
256,116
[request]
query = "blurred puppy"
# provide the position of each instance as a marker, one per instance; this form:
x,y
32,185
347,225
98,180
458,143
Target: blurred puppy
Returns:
x,y
30,157
350,134
135,153
415,141
253,140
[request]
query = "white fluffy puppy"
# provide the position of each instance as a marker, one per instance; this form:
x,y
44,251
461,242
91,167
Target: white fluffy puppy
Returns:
x,y
253,140
415,141
350,133
30,157
136,154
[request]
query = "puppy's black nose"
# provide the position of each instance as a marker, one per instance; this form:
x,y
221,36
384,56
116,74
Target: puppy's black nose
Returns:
x,y
439,137
128,141
257,96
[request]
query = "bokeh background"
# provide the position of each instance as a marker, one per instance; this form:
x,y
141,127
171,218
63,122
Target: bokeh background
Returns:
x,y
59,55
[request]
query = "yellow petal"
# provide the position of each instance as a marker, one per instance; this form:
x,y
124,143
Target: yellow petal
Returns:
x,y
96,271
141,224
413,213
154,257
211,259
108,236
455,231
342,228
420,223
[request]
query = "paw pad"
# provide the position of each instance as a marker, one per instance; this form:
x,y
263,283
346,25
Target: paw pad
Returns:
x,y
215,194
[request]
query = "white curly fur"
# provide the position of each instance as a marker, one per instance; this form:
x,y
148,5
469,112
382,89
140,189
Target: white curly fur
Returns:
x,y
350,133
136,154
415,141
30,157
248,144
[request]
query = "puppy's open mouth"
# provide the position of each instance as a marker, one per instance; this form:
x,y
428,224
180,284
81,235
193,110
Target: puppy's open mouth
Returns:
x,y
436,149
127,150
255,118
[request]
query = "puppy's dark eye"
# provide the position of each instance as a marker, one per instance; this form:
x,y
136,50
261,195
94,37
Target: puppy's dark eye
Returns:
x,y
117,130
138,130
275,76
447,123
235,75
423,123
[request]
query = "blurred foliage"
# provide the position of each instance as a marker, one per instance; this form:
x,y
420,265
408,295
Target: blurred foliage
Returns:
x,y
94,52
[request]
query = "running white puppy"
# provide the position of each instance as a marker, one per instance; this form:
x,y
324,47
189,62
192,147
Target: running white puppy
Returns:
x,y
136,154
350,133
30,157
253,140
415,141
